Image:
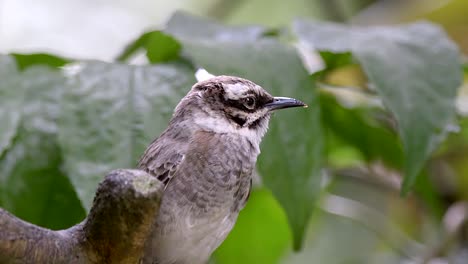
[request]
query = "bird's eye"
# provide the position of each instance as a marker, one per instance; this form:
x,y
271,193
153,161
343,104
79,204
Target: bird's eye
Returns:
x,y
249,102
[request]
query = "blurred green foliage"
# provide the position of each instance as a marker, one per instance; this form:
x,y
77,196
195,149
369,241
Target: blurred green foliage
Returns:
x,y
66,123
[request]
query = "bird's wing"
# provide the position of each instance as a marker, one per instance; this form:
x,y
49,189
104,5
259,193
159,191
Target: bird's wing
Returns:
x,y
162,160
166,170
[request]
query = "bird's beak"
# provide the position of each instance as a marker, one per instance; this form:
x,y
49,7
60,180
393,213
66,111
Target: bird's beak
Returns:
x,y
284,102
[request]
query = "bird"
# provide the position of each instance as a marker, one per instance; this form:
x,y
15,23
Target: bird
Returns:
x,y
205,159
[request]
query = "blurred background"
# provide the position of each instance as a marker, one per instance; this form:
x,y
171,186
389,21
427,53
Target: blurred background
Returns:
x,y
362,218
99,29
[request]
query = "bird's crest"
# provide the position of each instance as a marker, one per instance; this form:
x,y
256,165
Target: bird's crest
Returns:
x,y
202,75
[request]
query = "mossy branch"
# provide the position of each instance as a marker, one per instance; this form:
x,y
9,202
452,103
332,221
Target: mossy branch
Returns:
x,y
123,212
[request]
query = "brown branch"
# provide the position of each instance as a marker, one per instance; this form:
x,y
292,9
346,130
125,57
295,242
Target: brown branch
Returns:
x,y
115,230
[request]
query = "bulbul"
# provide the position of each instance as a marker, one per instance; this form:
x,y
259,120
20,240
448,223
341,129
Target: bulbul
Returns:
x,y
205,158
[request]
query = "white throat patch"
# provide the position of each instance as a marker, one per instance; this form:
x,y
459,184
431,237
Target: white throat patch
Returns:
x,y
221,125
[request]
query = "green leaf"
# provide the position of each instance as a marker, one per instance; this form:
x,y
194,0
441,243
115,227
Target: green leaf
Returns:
x,y
111,113
10,101
25,61
133,47
162,48
291,151
34,187
357,127
425,188
159,47
414,68
336,60
261,233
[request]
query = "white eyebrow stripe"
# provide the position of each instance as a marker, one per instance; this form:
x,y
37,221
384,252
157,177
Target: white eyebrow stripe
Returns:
x,y
236,91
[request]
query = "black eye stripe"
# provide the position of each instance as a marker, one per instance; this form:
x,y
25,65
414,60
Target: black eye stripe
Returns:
x,y
239,120
239,105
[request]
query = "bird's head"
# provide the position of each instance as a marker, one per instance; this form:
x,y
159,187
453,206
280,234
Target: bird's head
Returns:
x,y
227,104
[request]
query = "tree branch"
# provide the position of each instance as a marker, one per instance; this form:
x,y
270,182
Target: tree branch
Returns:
x,y
115,231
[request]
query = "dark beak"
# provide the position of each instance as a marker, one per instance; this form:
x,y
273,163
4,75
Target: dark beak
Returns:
x,y
284,102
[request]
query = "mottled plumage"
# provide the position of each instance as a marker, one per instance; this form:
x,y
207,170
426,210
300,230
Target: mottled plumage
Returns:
x,y
206,157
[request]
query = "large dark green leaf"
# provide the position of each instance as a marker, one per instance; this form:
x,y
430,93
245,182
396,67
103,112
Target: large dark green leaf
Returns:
x,y
111,113
34,186
291,151
414,68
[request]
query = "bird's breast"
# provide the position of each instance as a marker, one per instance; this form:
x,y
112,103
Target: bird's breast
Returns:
x,y
202,201
215,175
